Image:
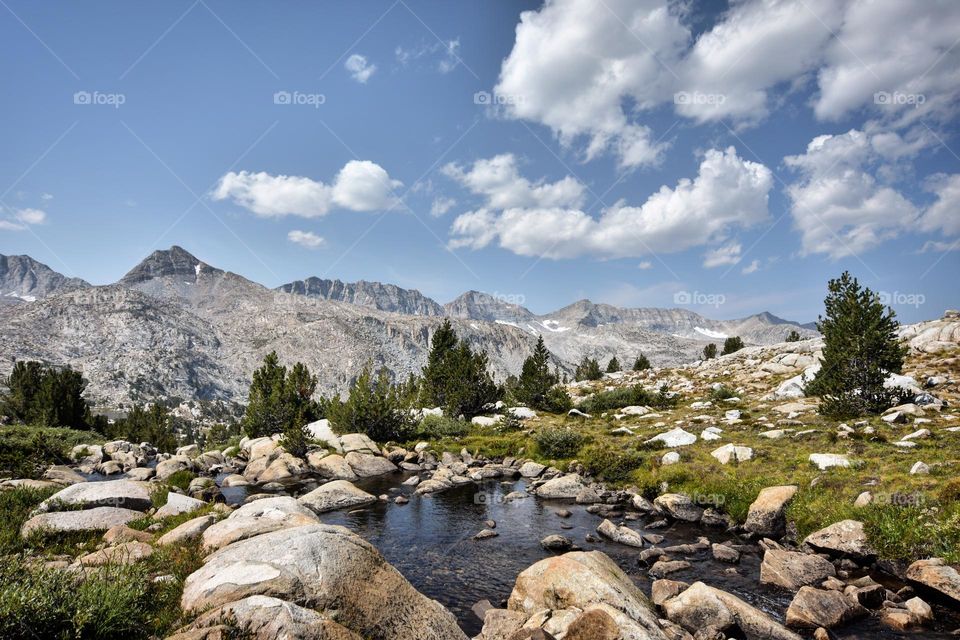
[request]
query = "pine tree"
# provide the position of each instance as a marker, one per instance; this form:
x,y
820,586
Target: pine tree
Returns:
x,y
373,407
267,409
456,377
588,369
614,365
732,345
536,378
710,351
860,348
299,387
47,396
793,336
642,363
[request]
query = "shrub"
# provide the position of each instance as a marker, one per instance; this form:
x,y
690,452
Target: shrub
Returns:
x,y
608,463
793,336
26,452
558,442
588,369
628,396
860,347
557,400
438,427
181,479
710,351
722,393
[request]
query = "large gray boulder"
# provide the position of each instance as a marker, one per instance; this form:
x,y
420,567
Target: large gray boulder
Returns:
x,y
126,494
812,608
702,605
938,576
327,569
257,518
178,503
332,466
566,487
678,506
189,531
367,465
842,539
266,618
338,494
583,580
792,570
623,535
766,516
95,519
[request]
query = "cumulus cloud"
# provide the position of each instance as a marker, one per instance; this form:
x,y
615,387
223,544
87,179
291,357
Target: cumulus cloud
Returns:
x,y
728,193
498,180
728,255
307,239
591,73
898,58
441,205
944,214
360,185
751,268
837,204
359,67
20,219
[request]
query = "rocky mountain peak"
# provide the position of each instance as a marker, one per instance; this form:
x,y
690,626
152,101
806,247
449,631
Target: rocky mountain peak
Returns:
x,y
375,295
23,279
477,305
175,261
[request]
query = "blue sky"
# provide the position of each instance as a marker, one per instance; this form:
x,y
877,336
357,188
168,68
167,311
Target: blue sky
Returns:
x,y
634,151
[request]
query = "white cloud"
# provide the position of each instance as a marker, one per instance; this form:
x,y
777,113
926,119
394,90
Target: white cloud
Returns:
x,y
728,193
307,239
360,185
441,205
644,265
498,179
944,214
722,256
837,205
901,49
21,219
591,72
31,216
359,67
753,267
46,196
446,53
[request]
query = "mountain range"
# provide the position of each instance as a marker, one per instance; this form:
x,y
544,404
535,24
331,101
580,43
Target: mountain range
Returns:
x,y
177,327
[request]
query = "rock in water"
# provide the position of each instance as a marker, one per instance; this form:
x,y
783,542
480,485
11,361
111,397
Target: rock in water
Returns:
x,y
935,574
257,518
792,570
586,580
844,539
678,506
812,608
339,494
623,535
766,515
566,487
701,605
325,568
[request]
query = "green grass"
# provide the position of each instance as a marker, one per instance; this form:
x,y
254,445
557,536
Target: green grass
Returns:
x,y
26,452
16,505
181,479
626,397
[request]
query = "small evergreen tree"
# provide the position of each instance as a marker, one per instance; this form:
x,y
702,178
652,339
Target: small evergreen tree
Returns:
x,y
299,387
588,369
860,348
793,336
732,345
47,396
614,365
456,377
267,409
151,425
536,378
373,407
710,351
642,363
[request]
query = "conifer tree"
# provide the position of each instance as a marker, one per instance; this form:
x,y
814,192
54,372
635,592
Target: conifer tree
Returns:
x,y
793,336
614,365
642,363
456,377
536,378
860,348
268,411
732,345
710,351
588,369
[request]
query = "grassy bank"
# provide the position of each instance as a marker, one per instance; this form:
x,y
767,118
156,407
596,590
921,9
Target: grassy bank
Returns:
x,y
25,451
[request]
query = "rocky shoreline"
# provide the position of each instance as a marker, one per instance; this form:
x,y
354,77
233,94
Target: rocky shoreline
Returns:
x,y
274,569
